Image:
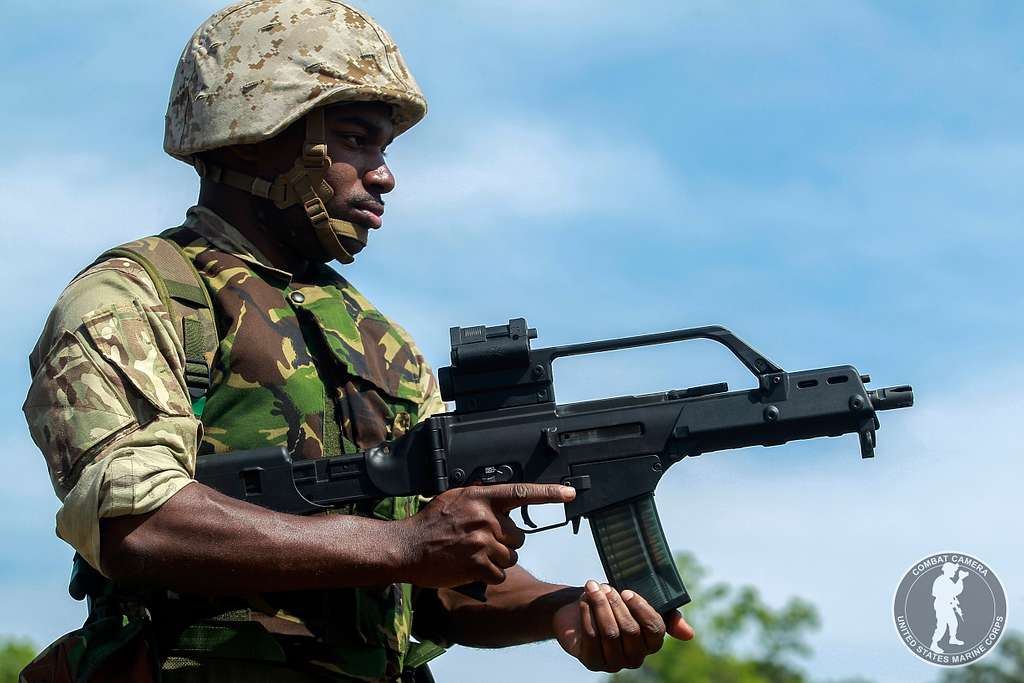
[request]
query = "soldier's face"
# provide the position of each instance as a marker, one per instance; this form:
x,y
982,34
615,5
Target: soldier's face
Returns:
x,y
357,137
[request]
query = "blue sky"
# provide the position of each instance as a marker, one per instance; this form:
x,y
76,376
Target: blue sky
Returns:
x,y
837,182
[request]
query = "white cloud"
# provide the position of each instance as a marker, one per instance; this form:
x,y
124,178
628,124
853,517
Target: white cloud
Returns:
x,y
58,216
527,173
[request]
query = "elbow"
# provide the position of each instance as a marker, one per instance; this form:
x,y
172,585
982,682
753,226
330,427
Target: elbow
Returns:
x,y
126,549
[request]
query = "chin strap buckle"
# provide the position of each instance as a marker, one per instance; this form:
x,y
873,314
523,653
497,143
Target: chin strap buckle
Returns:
x,y
314,156
262,188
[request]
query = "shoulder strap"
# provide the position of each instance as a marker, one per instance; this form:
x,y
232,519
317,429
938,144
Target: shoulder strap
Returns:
x,y
182,291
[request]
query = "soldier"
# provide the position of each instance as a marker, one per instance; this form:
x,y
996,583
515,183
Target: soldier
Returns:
x,y
230,332
947,592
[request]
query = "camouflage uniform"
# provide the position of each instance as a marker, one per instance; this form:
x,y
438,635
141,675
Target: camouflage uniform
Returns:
x,y
325,372
306,363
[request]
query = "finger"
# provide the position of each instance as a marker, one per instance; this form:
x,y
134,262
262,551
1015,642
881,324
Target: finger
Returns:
x,y
490,573
507,497
634,648
503,556
589,645
652,626
511,534
607,628
677,626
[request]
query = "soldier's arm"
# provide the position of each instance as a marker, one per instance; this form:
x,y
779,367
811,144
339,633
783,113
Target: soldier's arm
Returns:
x,y
200,541
603,629
518,611
111,421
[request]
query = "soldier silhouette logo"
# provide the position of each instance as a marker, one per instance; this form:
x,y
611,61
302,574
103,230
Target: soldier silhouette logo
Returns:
x,y
950,609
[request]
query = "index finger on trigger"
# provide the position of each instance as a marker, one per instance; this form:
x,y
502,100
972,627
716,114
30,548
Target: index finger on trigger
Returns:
x,y
510,496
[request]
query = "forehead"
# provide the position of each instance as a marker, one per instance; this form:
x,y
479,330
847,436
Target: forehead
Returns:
x,y
377,114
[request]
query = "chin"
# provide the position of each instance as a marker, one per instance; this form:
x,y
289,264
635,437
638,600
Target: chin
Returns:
x,y
351,246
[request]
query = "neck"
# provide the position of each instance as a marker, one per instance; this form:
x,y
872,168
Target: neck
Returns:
x,y
259,221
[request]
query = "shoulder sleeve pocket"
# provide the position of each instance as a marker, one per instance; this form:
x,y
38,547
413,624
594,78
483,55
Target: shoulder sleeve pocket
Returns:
x,y
72,406
128,340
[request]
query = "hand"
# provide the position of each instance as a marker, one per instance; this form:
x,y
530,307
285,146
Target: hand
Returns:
x,y
465,534
608,632
963,574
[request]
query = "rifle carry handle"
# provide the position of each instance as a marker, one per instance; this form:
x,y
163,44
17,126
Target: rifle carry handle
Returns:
x,y
635,554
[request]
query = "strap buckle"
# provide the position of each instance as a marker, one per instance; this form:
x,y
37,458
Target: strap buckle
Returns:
x,y
197,379
314,156
261,188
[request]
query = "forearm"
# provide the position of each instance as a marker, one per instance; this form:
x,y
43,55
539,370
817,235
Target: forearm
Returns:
x,y
203,542
519,610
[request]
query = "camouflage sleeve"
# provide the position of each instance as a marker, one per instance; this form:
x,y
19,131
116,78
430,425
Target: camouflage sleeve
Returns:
x,y
429,390
108,406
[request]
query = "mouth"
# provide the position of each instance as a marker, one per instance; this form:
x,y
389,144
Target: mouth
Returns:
x,y
366,213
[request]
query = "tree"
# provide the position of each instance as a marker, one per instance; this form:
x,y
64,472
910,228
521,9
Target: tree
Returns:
x,y
741,639
15,653
1005,665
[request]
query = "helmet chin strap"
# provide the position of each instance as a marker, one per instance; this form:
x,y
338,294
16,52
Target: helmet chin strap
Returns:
x,y
303,184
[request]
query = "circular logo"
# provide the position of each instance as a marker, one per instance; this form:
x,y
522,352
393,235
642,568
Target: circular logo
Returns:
x,y
950,609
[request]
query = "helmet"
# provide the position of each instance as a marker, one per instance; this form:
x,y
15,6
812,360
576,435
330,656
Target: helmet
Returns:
x,y
255,67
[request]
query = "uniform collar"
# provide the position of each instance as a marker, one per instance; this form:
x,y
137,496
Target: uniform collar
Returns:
x,y
229,239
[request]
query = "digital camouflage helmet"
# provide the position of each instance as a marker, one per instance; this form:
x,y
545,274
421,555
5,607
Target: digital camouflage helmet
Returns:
x,y
254,68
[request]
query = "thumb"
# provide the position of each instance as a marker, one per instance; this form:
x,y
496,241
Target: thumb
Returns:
x,y
677,626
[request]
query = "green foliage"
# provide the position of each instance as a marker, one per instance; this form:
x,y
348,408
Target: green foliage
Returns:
x,y
15,653
740,639
1005,665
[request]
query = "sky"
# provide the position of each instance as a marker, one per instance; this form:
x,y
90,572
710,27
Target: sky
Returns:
x,y
837,182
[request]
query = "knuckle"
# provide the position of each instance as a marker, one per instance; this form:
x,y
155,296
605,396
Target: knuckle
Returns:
x,y
655,626
520,491
479,538
611,633
479,515
631,630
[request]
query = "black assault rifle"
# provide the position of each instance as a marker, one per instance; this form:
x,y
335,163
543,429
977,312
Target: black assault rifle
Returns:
x,y
506,427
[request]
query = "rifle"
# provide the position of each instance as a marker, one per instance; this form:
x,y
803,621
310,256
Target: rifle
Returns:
x,y
506,427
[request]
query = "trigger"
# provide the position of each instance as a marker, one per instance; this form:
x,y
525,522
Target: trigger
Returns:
x,y
525,510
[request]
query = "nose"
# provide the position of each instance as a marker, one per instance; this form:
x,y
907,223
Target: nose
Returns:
x,y
379,179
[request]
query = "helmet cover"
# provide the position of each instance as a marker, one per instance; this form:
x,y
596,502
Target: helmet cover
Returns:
x,y
255,67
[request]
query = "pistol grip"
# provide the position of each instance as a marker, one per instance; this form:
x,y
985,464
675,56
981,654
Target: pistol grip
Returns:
x,y
635,554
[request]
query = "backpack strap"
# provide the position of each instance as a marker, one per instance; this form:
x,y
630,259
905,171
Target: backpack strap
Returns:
x,y
183,294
